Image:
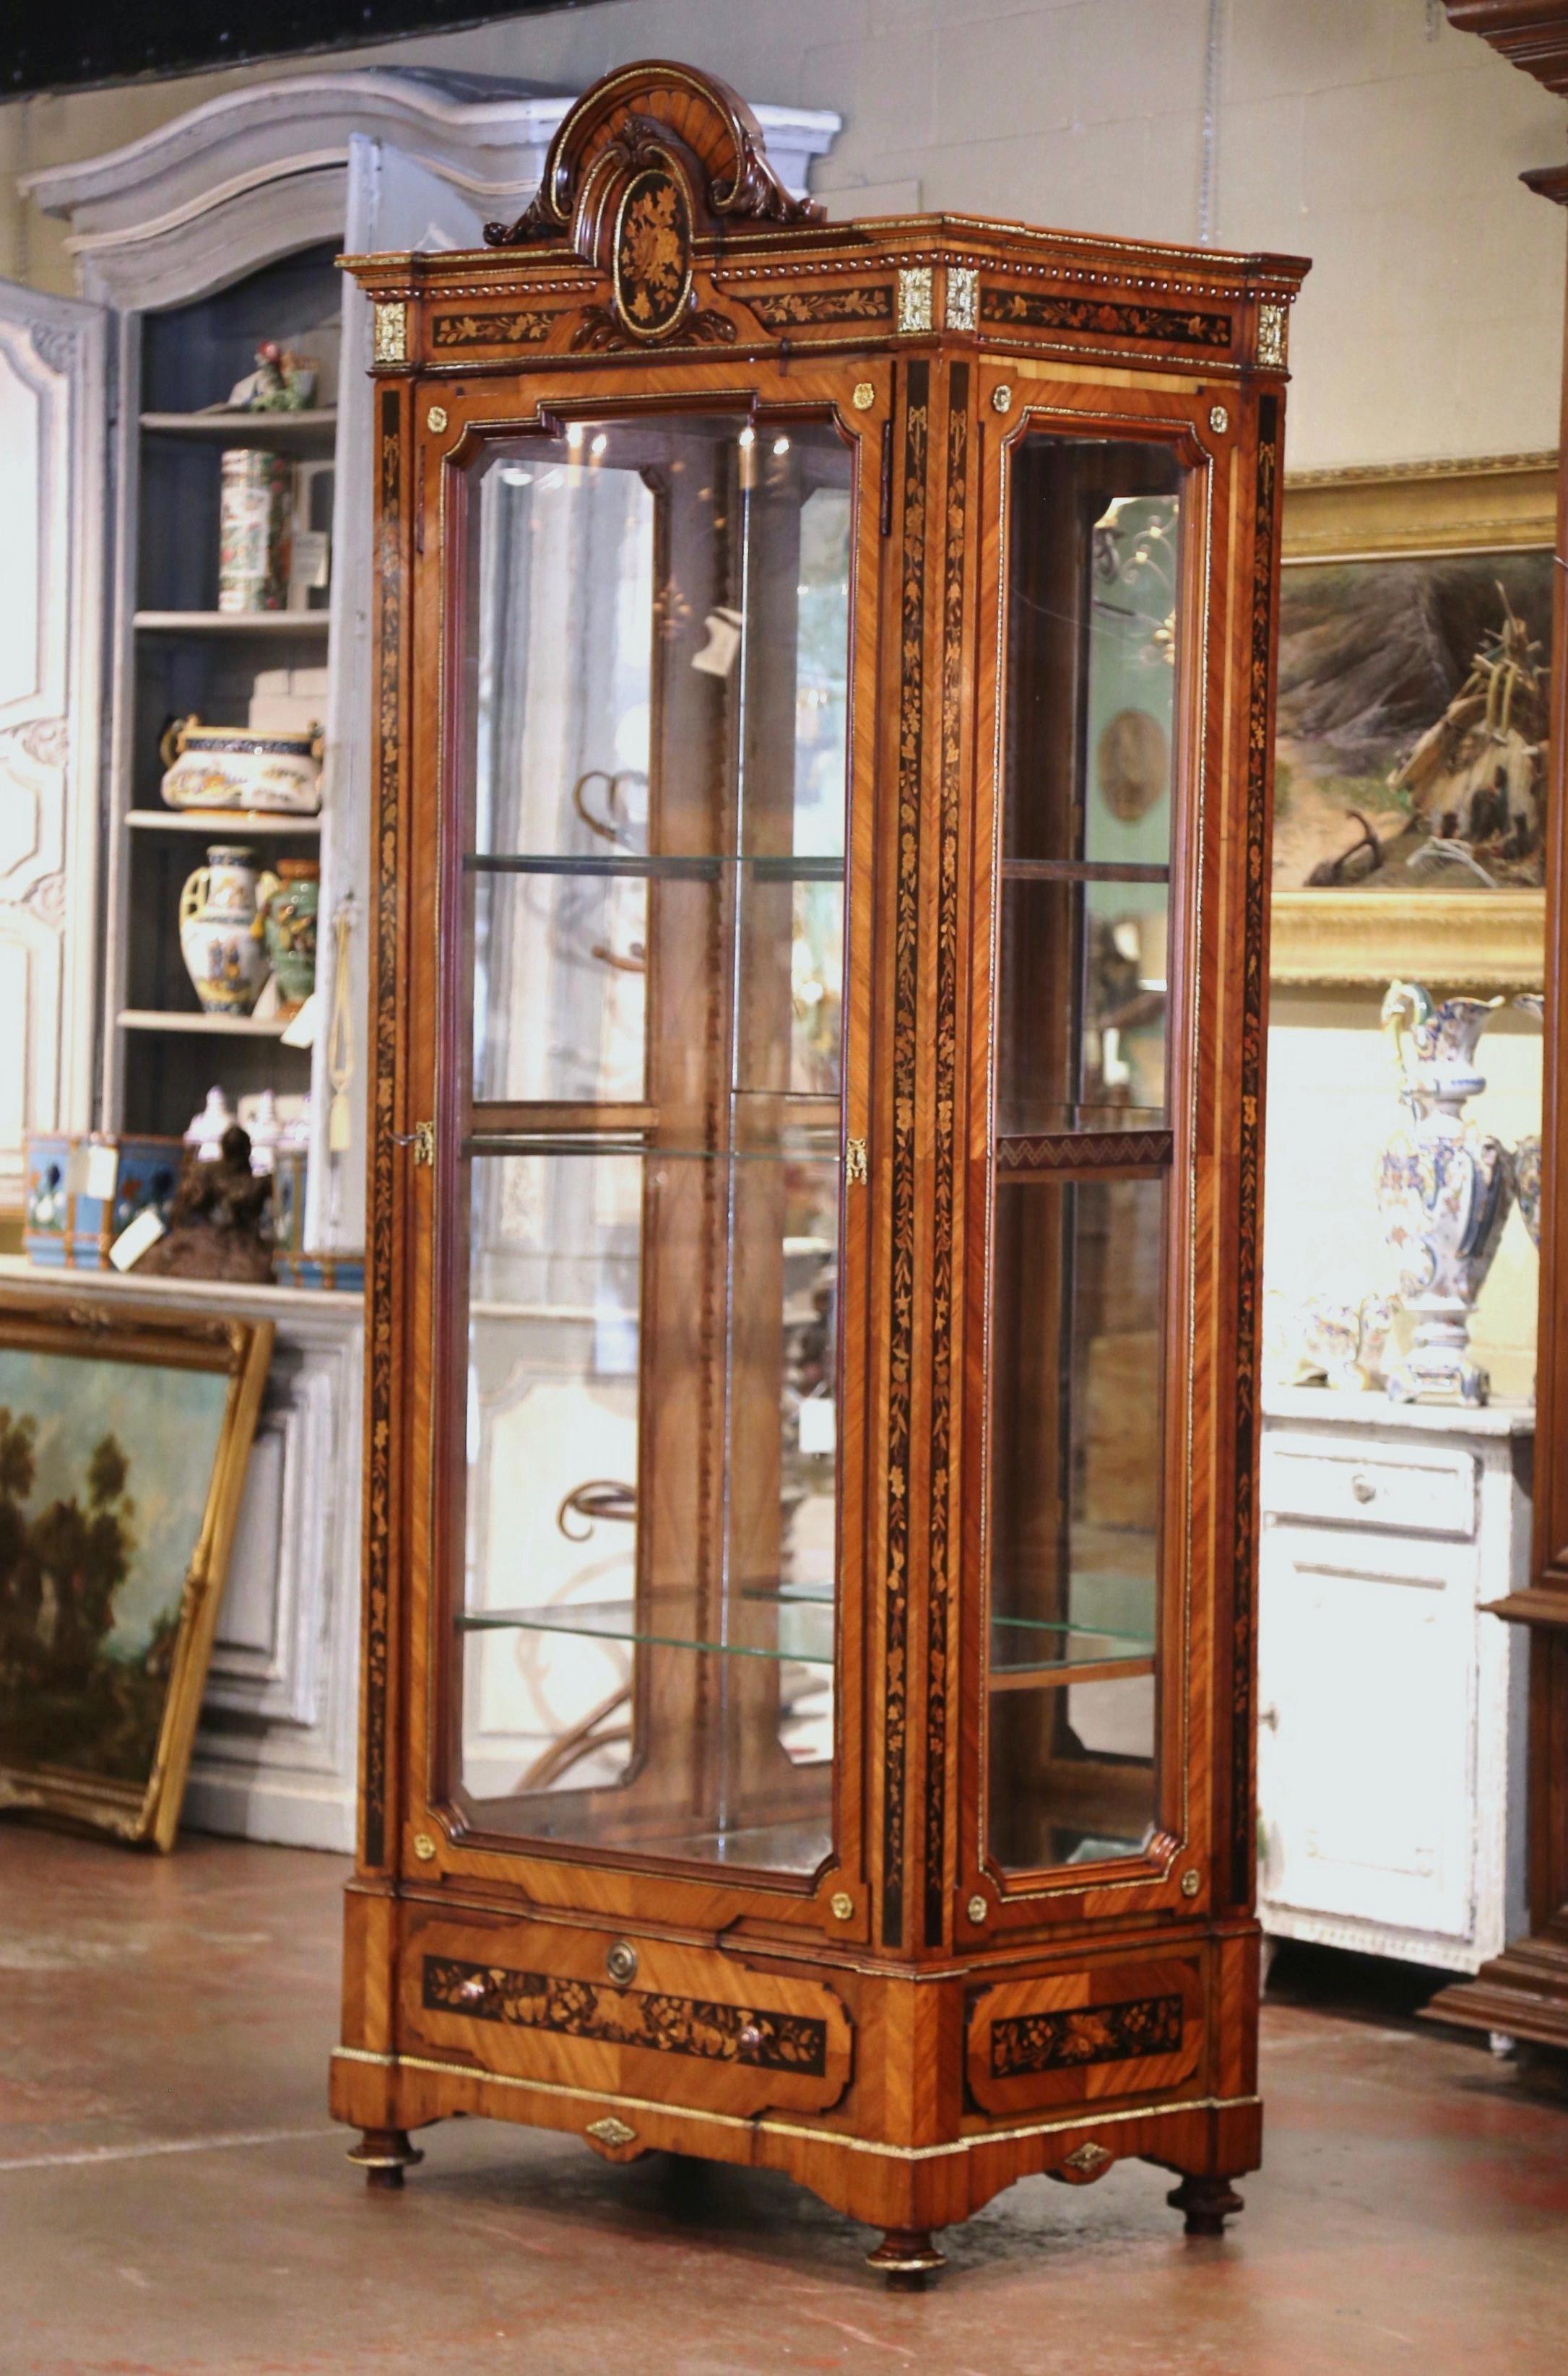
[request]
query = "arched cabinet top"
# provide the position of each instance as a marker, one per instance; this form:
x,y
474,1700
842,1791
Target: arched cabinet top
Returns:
x,y
263,169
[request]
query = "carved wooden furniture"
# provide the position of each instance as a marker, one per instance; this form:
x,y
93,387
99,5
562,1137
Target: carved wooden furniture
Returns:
x,y
1524,1991
1391,1797
822,756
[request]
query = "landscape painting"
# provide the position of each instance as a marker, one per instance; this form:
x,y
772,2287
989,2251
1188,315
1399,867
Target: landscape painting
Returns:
x,y
1410,750
118,1490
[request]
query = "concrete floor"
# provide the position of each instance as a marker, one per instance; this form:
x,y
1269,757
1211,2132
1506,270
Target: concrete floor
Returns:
x,y
172,2198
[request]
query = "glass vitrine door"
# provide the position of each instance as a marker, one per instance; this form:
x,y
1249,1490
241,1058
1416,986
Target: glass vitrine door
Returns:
x,y
653,900
1094,629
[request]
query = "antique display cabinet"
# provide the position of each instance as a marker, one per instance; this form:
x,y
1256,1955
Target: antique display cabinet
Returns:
x,y
823,765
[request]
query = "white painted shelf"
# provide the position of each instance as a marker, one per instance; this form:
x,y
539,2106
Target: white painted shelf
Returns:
x,y
232,623
281,432
229,1026
223,821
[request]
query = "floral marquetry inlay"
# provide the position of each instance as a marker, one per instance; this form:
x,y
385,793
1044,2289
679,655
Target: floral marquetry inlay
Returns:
x,y
653,251
663,2024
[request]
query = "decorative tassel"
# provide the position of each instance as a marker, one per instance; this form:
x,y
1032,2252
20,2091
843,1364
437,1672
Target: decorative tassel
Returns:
x,y
339,1036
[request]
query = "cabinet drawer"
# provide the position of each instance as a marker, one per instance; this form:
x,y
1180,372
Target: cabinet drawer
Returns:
x,y
623,2016
1123,2029
1370,1484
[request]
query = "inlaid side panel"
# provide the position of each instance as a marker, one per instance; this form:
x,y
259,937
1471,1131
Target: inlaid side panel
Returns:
x,y
1126,2029
644,2017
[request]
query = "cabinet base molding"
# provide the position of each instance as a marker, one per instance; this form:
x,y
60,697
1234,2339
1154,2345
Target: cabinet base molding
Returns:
x,y
1523,1992
882,2181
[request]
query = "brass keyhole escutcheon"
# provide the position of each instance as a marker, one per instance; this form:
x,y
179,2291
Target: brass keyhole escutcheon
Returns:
x,y
864,395
436,417
843,1905
424,1847
621,1962
976,1909
1192,1881
1002,398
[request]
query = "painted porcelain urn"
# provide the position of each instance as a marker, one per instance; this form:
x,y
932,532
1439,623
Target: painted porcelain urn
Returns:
x,y
222,907
1444,1188
1527,1151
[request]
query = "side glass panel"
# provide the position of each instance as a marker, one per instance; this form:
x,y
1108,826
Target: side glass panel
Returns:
x,y
654,893
1082,1153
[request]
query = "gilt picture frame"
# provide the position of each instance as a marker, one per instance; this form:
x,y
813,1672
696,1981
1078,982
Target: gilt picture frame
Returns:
x,y
124,1435
1490,939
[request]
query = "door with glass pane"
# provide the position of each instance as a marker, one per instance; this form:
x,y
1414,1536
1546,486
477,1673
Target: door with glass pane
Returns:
x,y
1083,1640
656,1283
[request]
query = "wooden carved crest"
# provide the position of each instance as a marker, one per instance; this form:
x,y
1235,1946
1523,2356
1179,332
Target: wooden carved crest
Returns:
x,y
651,159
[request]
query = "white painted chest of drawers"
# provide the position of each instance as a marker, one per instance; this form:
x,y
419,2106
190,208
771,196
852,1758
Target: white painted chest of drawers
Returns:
x,y
1391,1741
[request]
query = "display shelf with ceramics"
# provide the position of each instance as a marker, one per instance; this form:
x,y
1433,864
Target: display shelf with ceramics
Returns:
x,y
225,689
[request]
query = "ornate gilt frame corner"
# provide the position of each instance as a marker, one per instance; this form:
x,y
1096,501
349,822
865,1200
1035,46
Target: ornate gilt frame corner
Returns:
x,y
242,1351
1483,941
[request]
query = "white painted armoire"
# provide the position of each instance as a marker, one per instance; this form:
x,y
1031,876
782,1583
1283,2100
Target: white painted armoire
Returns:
x,y
191,245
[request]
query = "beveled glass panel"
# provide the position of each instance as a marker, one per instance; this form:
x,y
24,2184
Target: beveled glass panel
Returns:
x,y
1090,749
654,871
1094,553
1075,1497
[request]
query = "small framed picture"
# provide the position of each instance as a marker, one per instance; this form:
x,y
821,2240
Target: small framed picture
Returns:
x,y
125,1433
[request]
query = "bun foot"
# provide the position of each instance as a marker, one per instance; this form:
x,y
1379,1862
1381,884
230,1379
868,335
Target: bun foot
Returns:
x,y
383,2155
907,2257
1208,2204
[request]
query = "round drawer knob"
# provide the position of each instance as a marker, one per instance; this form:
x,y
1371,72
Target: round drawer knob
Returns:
x,y
621,1962
1362,1486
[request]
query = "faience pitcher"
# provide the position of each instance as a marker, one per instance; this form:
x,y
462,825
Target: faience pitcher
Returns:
x,y
1444,1189
290,930
221,908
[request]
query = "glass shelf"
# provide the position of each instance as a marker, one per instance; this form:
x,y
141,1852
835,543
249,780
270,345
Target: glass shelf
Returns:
x,y
807,1619
1030,1653
1081,870
796,1148
635,867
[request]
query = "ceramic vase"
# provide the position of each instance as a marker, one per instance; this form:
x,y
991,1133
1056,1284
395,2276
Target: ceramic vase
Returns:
x,y
290,930
254,511
1527,1151
226,768
221,930
1444,1188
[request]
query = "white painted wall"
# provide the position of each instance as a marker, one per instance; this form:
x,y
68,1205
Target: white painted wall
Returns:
x,y
1344,131
1366,134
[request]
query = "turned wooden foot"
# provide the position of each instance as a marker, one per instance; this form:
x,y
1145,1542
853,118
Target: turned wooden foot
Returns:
x,y
907,2257
1207,2202
383,2155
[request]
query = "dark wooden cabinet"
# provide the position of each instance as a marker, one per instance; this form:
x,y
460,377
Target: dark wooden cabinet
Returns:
x,y
823,765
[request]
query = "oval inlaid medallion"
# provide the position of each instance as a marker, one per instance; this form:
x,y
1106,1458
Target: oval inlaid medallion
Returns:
x,y
653,253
